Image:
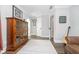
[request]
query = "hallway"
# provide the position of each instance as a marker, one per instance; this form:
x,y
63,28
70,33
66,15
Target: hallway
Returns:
x,y
40,21
38,46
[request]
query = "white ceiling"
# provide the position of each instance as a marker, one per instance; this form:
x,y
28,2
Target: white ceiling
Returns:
x,y
36,10
40,10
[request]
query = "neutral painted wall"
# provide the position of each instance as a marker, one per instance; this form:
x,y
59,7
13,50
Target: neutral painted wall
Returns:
x,y
6,11
59,28
45,26
74,20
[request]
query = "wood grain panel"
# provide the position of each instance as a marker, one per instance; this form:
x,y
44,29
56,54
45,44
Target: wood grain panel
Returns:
x,y
16,36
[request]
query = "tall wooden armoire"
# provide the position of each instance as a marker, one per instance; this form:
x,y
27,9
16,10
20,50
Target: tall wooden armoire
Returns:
x,y
17,33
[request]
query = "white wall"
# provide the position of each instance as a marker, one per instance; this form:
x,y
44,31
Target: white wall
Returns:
x,y
74,20
43,26
6,11
60,29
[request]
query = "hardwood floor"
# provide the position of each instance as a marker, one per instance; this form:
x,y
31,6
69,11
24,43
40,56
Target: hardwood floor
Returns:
x,y
60,47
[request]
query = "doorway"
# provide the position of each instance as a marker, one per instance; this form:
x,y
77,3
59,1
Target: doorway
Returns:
x,y
33,28
51,28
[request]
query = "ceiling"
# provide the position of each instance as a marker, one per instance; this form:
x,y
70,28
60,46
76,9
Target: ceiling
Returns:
x,y
40,10
37,10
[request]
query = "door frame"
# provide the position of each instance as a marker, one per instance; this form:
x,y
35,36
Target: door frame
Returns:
x,y
51,38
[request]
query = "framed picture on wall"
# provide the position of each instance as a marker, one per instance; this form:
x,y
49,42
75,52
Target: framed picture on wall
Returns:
x,y
62,19
16,12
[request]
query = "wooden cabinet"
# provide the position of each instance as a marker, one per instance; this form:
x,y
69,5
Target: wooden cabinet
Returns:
x,y
17,33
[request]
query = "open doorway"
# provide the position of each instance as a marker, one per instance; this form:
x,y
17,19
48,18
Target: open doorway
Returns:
x,y
33,28
40,27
